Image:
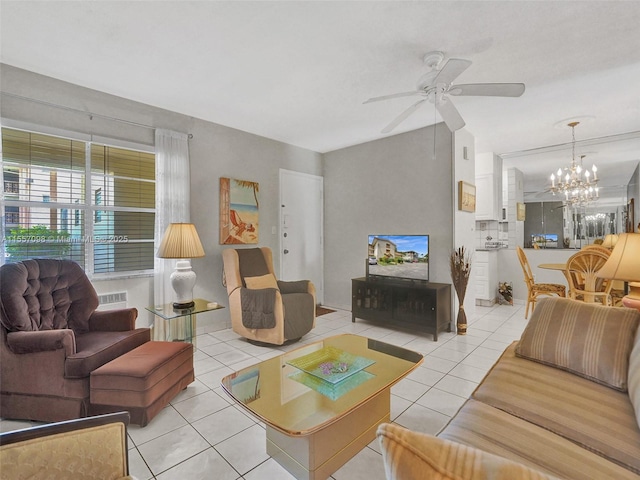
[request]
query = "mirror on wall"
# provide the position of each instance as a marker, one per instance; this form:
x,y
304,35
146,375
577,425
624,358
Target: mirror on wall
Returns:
x,y
556,225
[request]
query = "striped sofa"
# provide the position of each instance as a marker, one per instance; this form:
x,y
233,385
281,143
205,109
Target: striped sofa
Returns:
x,y
562,402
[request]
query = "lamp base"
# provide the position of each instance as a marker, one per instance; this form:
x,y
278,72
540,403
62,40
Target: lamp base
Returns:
x,y
632,300
183,280
182,306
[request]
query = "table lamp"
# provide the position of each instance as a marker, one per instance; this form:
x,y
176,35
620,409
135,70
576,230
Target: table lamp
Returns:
x,y
181,241
624,264
610,241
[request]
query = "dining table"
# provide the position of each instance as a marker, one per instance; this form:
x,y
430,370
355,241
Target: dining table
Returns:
x,y
618,285
562,267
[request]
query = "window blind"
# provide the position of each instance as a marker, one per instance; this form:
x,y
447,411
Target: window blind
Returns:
x,y
91,203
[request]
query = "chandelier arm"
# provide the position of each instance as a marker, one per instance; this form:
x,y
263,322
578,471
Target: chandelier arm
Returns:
x,y
577,191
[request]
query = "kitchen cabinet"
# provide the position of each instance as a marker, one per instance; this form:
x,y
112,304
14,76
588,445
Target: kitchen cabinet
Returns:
x,y
489,196
486,267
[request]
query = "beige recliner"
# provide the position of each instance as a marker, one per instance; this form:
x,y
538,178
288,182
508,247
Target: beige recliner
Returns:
x,y
264,309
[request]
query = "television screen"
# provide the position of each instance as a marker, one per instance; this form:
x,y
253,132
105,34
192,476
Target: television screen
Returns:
x,y
399,256
544,240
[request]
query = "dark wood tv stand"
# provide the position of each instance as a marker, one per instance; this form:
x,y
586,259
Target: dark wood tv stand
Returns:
x,y
406,303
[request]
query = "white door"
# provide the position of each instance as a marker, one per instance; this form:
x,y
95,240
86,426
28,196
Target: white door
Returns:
x,y
301,219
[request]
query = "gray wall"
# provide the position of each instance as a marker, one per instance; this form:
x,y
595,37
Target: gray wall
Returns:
x,y
544,217
393,185
388,186
215,151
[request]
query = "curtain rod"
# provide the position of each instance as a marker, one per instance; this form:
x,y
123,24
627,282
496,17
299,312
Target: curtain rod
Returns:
x,y
84,112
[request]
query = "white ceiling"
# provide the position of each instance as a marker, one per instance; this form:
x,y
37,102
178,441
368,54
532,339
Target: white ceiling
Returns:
x,y
298,72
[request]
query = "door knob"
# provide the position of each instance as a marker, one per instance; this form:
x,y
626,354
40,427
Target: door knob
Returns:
x,y
286,251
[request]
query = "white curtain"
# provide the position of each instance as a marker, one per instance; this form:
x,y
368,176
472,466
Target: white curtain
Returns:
x,y
172,201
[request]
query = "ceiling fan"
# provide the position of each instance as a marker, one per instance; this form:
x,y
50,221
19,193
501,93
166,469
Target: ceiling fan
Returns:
x,y
435,86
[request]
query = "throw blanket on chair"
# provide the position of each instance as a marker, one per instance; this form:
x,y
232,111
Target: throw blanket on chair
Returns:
x,y
258,307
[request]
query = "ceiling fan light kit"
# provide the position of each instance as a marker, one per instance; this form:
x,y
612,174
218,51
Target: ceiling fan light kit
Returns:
x,y
578,185
435,86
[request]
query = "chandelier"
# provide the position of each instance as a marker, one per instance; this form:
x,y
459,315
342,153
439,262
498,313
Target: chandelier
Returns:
x,y
576,183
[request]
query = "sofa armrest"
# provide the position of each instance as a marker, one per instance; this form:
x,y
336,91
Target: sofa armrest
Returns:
x,y
409,455
113,320
42,341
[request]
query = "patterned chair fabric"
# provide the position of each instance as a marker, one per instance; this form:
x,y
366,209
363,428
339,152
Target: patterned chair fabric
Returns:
x,y
536,289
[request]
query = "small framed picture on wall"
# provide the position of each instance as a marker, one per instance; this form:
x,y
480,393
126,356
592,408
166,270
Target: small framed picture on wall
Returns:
x,y
466,197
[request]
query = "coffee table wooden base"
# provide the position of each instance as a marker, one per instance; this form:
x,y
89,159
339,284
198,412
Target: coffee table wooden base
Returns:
x,y
318,455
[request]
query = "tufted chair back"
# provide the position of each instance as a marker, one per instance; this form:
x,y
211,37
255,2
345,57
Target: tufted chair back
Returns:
x,y
45,294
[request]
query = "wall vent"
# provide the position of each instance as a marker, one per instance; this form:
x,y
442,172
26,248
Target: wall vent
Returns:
x,y
111,301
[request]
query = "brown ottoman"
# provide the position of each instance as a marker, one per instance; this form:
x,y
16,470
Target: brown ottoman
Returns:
x,y
142,381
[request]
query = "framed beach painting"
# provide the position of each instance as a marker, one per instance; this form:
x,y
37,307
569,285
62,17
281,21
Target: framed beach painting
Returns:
x,y
466,197
238,211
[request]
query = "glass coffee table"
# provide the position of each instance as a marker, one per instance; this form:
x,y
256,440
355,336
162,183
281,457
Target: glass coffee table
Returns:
x,y
323,402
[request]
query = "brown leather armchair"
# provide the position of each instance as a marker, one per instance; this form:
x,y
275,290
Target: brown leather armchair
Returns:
x,y
52,338
263,309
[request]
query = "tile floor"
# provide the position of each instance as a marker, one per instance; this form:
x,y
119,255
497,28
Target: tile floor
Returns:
x,y
203,435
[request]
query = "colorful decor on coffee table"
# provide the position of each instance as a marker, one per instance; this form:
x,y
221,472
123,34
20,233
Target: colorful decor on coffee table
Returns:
x,y
331,372
331,364
331,390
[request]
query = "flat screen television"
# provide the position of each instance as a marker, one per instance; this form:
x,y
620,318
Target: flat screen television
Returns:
x,y
544,240
399,256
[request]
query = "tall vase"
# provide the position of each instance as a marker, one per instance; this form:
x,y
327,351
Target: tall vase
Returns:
x,y
461,320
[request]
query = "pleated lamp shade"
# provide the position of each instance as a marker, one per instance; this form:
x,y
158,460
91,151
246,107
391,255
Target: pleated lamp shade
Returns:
x,y
610,241
624,264
181,240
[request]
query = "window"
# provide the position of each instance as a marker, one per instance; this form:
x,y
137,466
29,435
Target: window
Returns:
x,y
110,190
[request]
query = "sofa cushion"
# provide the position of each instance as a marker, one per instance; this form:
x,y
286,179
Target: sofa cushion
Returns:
x,y
299,314
297,286
589,340
261,281
634,377
415,456
251,263
494,431
43,294
593,416
94,349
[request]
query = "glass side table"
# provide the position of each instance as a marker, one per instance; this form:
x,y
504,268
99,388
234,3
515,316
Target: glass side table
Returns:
x,y
179,324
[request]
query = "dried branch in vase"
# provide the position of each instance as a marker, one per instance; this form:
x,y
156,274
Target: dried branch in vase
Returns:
x,y
460,262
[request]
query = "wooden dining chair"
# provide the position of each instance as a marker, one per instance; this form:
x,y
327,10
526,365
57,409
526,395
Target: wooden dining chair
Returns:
x,y
584,285
536,289
597,248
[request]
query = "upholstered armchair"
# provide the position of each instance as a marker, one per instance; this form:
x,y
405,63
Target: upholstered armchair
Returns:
x,y
264,309
52,338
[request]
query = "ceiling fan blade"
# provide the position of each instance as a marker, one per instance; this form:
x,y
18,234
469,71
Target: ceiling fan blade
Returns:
x,y
488,89
450,114
394,95
400,118
451,70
